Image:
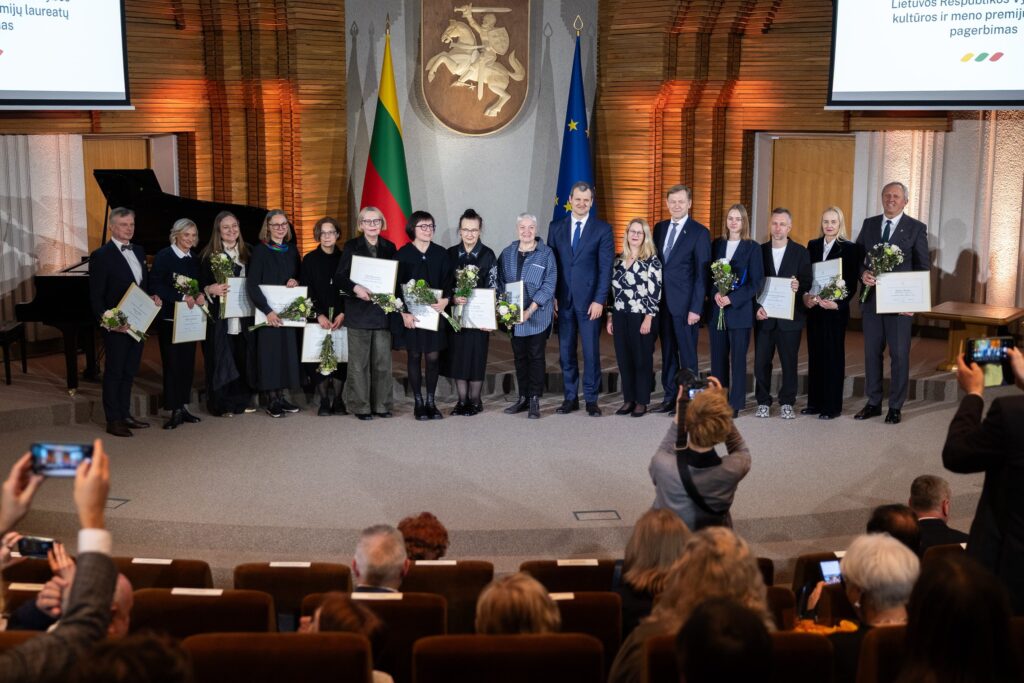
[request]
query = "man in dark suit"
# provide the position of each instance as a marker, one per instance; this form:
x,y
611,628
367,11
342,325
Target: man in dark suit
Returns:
x,y
684,249
994,446
929,499
113,268
380,561
783,258
584,250
889,329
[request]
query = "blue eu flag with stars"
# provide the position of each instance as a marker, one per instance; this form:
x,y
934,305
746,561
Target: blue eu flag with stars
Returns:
x,y
575,165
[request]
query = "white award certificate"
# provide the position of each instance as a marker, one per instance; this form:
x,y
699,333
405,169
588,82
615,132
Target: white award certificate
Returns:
x,y
426,317
378,275
823,273
778,298
189,324
516,296
313,340
908,291
236,302
139,309
478,312
278,297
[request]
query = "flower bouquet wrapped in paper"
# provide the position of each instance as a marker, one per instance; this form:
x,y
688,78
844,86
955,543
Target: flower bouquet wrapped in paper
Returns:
x,y
883,257
222,267
189,286
725,281
419,292
299,309
465,282
114,319
834,290
507,313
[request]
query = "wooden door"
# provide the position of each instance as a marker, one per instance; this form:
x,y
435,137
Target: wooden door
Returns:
x,y
127,152
810,174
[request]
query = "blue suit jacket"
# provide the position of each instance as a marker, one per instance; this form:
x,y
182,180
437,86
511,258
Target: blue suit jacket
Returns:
x,y
684,273
584,277
747,265
110,276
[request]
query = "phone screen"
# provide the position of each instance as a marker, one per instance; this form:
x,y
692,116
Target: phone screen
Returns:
x,y
990,354
35,546
830,571
59,459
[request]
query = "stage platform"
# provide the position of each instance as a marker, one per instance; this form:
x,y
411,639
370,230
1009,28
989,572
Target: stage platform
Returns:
x,y
251,488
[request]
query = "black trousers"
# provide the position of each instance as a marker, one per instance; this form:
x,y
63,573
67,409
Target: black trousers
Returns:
x,y
122,356
529,356
767,342
634,353
729,360
826,360
179,361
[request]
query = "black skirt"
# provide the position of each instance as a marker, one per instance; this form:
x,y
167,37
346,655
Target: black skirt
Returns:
x,y
466,356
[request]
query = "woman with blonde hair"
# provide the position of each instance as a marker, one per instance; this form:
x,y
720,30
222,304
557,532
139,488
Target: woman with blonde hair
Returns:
x,y
636,294
715,563
656,543
516,604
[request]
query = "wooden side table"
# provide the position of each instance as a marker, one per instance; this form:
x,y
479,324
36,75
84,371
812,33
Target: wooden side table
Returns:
x,y
967,321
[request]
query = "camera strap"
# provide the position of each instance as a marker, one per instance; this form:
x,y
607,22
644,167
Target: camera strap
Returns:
x,y
691,487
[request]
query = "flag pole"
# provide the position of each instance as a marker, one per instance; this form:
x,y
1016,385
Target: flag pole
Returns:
x,y
578,25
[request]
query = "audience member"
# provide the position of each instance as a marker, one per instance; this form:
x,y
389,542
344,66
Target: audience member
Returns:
x,y
339,613
45,611
380,561
516,604
50,657
425,537
958,626
40,614
693,480
995,447
878,573
656,543
930,501
141,658
723,641
715,563
899,521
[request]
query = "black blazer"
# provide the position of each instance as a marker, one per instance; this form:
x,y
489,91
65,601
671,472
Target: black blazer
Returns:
x,y
795,263
167,264
206,278
359,314
910,235
747,264
936,532
110,276
683,277
852,257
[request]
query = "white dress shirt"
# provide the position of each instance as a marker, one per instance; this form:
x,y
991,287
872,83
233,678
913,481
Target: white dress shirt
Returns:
x,y
131,258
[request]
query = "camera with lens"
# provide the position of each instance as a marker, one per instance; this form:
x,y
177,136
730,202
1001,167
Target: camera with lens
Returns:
x,y
690,384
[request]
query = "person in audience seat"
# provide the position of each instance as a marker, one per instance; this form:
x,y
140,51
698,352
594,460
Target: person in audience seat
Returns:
x,y
899,521
380,561
516,604
723,641
425,536
141,658
339,613
930,500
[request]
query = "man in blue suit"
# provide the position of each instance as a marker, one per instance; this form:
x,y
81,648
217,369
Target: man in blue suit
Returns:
x,y
584,249
684,249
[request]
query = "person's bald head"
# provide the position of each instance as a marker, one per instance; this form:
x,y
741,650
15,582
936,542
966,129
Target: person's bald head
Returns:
x,y
380,558
121,608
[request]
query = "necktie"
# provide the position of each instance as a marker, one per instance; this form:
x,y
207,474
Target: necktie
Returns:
x,y
126,247
671,240
885,233
576,234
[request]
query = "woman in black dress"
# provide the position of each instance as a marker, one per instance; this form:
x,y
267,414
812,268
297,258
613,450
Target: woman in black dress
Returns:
x,y
421,259
466,356
318,269
179,360
275,262
226,351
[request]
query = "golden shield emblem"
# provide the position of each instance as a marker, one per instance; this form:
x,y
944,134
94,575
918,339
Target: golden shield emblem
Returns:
x,y
475,63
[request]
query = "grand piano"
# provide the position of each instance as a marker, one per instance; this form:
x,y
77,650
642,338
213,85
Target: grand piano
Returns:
x,y
62,299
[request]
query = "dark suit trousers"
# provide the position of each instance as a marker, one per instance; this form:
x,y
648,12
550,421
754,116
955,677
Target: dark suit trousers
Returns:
x,y
179,361
575,323
729,348
826,360
787,343
893,330
678,349
122,354
634,353
528,352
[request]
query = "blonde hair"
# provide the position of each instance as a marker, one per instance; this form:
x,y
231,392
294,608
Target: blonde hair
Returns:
x,y
180,226
362,214
715,563
516,604
842,222
265,230
708,418
656,543
647,249
742,211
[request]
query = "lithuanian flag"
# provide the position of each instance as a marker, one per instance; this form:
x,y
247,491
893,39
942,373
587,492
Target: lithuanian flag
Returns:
x,y
386,184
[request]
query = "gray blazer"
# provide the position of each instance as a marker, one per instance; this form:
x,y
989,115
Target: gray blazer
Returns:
x,y
50,657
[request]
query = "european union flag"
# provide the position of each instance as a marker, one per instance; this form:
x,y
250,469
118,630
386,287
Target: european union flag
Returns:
x,y
575,164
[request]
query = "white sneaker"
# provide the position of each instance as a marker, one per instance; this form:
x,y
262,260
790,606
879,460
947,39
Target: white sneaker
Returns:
x,y
787,413
764,410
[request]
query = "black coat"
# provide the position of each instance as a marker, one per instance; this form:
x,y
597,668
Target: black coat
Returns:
x,y
167,264
795,263
277,349
318,272
482,257
359,314
206,278
433,266
110,276
851,255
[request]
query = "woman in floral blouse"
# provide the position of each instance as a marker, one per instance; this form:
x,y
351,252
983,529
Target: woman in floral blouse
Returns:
x,y
636,291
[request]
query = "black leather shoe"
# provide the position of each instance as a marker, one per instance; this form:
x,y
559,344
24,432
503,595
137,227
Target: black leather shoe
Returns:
x,y
469,410
324,409
338,407
118,428
826,416
868,411
364,416
386,414
132,423
459,409
639,411
519,406
177,419
288,406
626,408
809,411
431,411
568,406
534,413
593,410
664,407
274,409
478,406
893,417
189,417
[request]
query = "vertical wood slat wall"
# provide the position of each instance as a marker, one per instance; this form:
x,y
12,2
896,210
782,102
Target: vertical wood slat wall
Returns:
x,y
255,89
683,86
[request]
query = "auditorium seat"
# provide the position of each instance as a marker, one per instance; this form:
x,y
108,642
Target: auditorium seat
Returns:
x,y
148,572
833,605
937,551
274,657
459,581
10,639
782,604
767,567
550,658
796,658
563,576
17,593
595,613
807,569
881,654
289,582
189,611
29,570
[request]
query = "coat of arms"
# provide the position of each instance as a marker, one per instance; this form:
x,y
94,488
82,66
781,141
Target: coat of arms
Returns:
x,y
475,63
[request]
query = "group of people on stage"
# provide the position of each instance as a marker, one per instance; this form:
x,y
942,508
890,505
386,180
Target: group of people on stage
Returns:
x,y
656,284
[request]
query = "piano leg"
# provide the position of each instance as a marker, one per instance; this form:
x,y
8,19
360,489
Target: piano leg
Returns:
x,y
88,333
70,333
